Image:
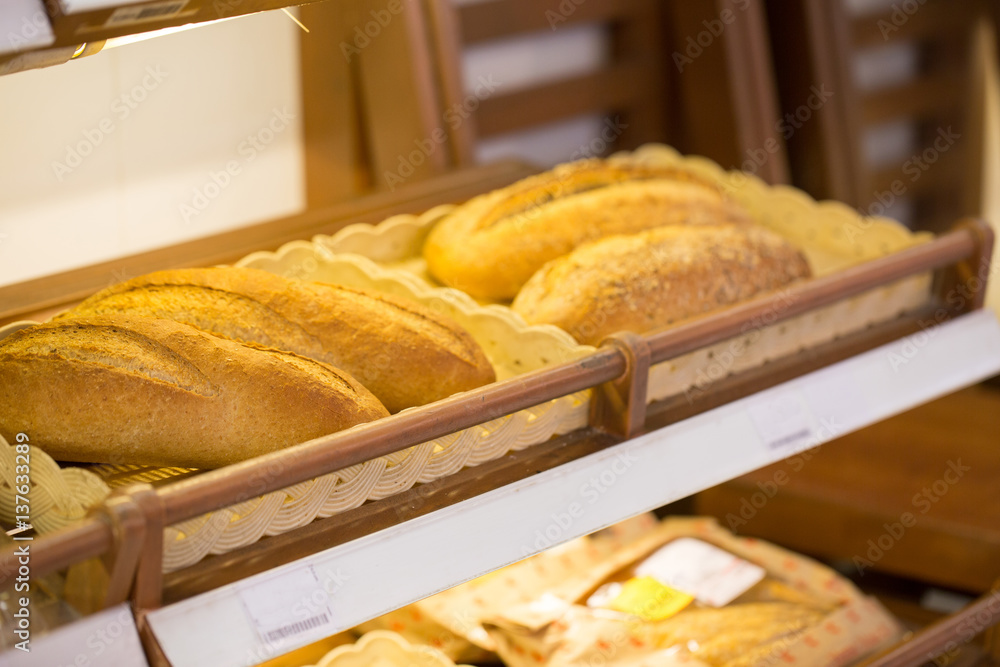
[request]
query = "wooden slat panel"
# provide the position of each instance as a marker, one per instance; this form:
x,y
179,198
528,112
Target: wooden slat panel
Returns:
x,y
722,97
934,19
945,175
751,79
939,95
442,20
497,19
399,98
335,155
641,37
611,89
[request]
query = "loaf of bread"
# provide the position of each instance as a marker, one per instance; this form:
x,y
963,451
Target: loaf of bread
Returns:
x,y
490,246
154,392
652,279
402,352
722,636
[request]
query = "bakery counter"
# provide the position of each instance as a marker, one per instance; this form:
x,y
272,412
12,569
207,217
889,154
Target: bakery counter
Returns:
x,y
633,455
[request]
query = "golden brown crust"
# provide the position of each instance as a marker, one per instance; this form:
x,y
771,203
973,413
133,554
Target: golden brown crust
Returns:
x,y
147,391
655,278
490,246
404,353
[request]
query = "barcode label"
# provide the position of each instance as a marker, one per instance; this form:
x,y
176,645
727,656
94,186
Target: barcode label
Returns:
x,y
297,628
784,441
782,420
157,12
288,604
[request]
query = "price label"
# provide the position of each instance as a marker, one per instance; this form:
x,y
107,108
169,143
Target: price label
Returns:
x,y
649,599
782,420
713,576
290,605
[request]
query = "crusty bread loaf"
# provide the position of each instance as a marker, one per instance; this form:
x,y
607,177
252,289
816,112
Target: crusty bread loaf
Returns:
x,y
148,391
652,279
403,353
490,246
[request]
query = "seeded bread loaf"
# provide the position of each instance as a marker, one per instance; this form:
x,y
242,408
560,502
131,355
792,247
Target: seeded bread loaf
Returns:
x,y
490,246
403,353
652,279
154,392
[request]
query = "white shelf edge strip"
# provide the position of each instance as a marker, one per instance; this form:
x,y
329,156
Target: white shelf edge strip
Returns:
x,y
108,637
338,588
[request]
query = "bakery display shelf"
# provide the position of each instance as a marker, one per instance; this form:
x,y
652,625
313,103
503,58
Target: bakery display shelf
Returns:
x,y
108,637
630,459
940,640
365,577
40,33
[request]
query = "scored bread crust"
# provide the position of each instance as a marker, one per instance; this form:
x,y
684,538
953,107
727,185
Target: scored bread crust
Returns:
x,y
404,353
134,390
655,278
491,246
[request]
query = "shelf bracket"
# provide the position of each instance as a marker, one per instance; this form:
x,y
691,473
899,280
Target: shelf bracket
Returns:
x,y
128,528
963,286
619,406
148,590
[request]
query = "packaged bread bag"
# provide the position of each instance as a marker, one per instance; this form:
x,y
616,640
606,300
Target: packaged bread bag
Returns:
x,y
690,593
451,621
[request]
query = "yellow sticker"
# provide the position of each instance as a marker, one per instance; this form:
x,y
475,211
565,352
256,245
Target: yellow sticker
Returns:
x,y
650,600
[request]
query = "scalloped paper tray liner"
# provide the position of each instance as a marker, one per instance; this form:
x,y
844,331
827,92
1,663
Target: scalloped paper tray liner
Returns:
x,y
512,347
832,236
383,648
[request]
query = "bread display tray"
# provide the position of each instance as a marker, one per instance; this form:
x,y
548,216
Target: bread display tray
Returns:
x,y
62,495
386,257
831,235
